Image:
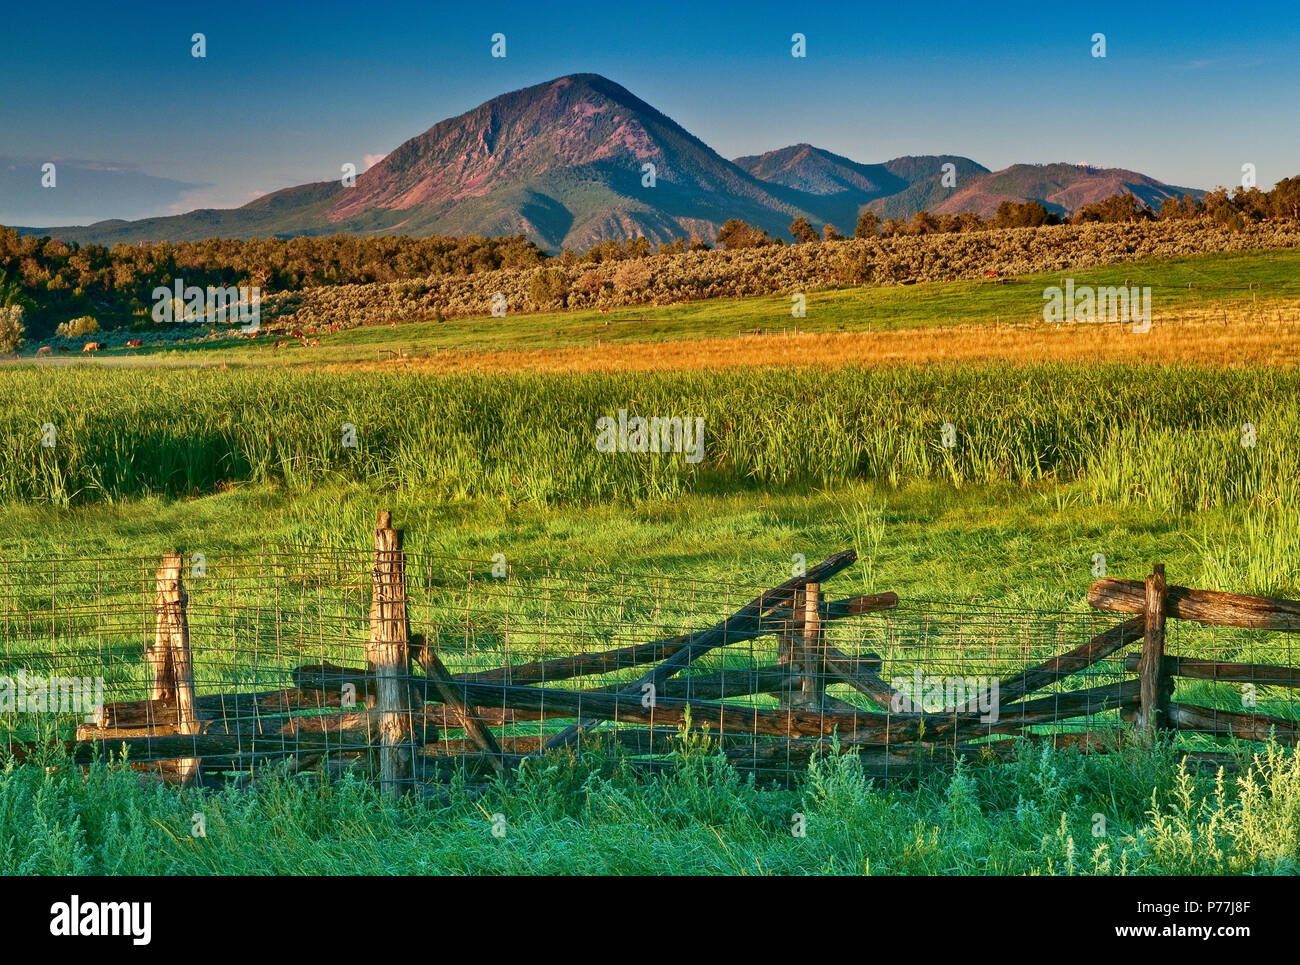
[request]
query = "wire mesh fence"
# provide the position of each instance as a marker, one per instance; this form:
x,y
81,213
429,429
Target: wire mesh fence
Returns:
x,y
502,662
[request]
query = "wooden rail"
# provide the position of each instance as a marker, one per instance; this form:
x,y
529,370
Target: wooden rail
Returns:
x,y
1200,606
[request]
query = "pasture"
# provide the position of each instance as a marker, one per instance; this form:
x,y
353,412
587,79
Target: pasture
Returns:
x,y
1256,287
227,450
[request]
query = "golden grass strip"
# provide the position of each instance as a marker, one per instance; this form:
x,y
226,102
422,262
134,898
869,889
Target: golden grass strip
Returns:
x,y
1237,343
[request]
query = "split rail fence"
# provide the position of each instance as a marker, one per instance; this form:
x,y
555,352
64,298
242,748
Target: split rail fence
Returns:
x,y
411,669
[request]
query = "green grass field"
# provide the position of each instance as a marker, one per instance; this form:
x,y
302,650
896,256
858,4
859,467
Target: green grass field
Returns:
x,y
1228,282
1051,465
1175,437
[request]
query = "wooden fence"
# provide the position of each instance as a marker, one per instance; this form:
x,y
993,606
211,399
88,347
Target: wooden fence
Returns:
x,y
1157,671
773,682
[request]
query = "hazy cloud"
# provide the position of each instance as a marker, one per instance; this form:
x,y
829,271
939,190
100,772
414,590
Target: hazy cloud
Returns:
x,y
86,191
203,196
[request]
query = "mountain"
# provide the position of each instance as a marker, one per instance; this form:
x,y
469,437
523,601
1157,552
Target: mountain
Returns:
x,y
562,162
894,189
906,185
565,162
1063,188
815,171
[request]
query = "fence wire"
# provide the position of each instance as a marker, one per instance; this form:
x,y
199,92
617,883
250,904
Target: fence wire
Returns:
x,y
278,642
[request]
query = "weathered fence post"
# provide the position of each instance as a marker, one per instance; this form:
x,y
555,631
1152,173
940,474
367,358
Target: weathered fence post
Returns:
x,y
1154,707
811,658
789,641
173,665
387,655
159,656
802,651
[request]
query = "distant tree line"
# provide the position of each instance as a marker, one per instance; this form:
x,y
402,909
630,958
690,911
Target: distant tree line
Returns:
x,y
1234,210
55,281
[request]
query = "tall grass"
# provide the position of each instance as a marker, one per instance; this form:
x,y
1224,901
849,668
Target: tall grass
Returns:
x,y
1164,436
588,815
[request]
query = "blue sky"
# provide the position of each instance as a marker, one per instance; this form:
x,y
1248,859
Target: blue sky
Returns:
x,y
289,92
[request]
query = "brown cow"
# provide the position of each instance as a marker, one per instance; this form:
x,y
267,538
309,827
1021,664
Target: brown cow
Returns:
x,y
44,350
92,346
134,342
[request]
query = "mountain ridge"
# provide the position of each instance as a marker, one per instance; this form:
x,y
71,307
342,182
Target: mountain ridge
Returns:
x,y
580,159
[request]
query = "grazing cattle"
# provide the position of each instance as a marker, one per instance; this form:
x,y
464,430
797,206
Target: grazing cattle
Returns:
x,y
92,346
991,274
296,333
315,341
134,342
392,324
44,350
281,344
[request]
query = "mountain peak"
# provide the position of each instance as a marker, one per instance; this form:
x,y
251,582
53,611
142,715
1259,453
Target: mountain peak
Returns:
x,y
817,171
1060,186
570,161
579,159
